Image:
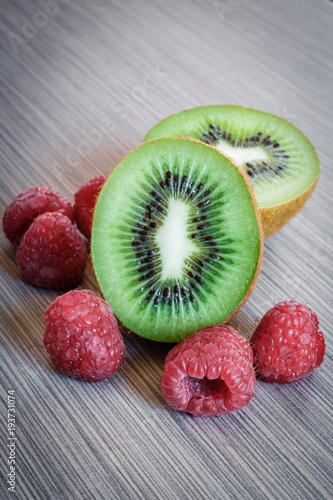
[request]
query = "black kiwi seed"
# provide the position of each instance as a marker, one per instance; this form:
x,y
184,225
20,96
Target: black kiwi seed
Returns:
x,y
203,203
183,183
145,268
147,259
199,270
197,219
150,294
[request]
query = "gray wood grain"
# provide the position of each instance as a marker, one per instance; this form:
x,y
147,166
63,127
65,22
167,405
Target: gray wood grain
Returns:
x,y
81,85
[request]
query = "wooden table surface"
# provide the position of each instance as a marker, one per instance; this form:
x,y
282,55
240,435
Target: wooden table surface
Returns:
x,y
82,82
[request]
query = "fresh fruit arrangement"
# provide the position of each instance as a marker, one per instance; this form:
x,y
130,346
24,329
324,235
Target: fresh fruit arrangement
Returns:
x,y
40,222
281,163
184,250
177,248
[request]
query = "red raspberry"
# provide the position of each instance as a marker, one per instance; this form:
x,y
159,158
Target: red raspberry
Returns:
x,y
287,343
27,206
82,336
210,373
85,201
52,252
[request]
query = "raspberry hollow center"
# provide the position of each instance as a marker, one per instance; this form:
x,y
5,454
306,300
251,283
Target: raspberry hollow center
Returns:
x,y
205,387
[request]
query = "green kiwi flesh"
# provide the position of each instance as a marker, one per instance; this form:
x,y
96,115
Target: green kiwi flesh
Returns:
x,y
176,242
280,161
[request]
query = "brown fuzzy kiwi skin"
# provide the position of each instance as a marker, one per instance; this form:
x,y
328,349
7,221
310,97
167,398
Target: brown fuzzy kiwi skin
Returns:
x,y
274,218
257,212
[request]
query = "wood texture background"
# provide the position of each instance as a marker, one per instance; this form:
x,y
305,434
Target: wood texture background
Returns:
x,y
81,85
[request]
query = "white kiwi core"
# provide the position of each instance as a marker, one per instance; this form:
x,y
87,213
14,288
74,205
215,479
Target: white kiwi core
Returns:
x,y
173,240
243,155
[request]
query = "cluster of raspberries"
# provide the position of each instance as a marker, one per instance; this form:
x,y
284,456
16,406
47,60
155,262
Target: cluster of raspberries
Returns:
x,y
210,373
213,371
43,225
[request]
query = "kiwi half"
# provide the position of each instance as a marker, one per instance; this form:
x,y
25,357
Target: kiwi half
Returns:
x,y
281,163
176,241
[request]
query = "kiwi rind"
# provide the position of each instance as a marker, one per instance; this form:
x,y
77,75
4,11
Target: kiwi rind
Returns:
x,y
274,218
166,336
288,198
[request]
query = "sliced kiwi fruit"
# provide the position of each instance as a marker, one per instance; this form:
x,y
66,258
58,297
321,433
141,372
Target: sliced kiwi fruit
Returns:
x,y
281,163
176,240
